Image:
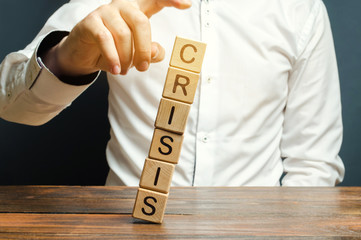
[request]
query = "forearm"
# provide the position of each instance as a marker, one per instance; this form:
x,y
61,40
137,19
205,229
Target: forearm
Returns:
x,y
29,93
32,93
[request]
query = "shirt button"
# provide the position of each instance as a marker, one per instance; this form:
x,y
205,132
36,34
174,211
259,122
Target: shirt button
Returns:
x,y
209,79
205,139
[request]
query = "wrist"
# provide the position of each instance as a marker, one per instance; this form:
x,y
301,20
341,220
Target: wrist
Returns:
x,y
55,58
47,50
51,60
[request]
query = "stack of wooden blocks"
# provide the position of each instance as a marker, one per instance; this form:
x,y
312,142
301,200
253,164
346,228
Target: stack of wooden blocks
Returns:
x,y
178,94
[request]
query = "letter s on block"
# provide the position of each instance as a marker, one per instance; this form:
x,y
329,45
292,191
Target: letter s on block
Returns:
x,y
166,144
149,205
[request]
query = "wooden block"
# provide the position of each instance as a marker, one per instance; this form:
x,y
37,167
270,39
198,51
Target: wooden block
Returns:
x,y
188,54
166,146
150,205
172,115
156,175
180,85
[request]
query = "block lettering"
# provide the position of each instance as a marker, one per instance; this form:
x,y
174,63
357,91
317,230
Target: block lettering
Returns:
x,y
149,205
166,146
156,175
180,85
182,53
188,54
172,115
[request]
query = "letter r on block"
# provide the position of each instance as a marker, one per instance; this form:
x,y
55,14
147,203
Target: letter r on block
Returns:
x,y
180,85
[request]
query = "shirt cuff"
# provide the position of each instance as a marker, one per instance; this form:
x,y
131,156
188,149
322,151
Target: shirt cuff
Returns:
x,y
45,85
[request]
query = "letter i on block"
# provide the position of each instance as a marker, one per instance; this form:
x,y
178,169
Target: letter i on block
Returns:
x,y
178,95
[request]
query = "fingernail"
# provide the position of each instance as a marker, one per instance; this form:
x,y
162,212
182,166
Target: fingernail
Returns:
x,y
116,69
188,2
143,66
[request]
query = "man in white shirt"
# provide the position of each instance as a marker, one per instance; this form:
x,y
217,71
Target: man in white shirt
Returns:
x,y
268,100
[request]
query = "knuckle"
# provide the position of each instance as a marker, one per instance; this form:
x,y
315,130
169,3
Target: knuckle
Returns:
x,y
104,8
143,55
93,16
124,33
144,52
102,35
114,2
140,19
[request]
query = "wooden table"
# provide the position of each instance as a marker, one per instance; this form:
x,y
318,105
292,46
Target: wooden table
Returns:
x,y
52,212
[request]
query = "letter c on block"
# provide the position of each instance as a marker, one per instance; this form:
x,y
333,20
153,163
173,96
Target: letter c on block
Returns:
x,y
182,53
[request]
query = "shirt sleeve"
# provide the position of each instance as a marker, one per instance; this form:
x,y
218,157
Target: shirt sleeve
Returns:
x,y
29,92
312,132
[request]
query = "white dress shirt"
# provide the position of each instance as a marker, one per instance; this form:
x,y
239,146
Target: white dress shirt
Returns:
x,y
268,99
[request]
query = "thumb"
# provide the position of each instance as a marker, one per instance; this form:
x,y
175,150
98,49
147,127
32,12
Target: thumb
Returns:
x,y
151,7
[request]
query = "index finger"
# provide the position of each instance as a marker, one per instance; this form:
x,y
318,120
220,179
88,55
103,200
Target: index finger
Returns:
x,y
180,4
140,27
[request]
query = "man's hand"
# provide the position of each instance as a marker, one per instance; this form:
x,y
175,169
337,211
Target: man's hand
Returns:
x,y
112,38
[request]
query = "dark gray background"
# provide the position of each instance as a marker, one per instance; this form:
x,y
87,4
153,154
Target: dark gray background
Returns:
x,y
70,149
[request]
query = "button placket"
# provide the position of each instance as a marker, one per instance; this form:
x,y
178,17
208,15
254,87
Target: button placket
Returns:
x,y
206,12
204,169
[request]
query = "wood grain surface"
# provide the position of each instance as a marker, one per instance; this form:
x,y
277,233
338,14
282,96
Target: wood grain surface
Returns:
x,y
55,212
